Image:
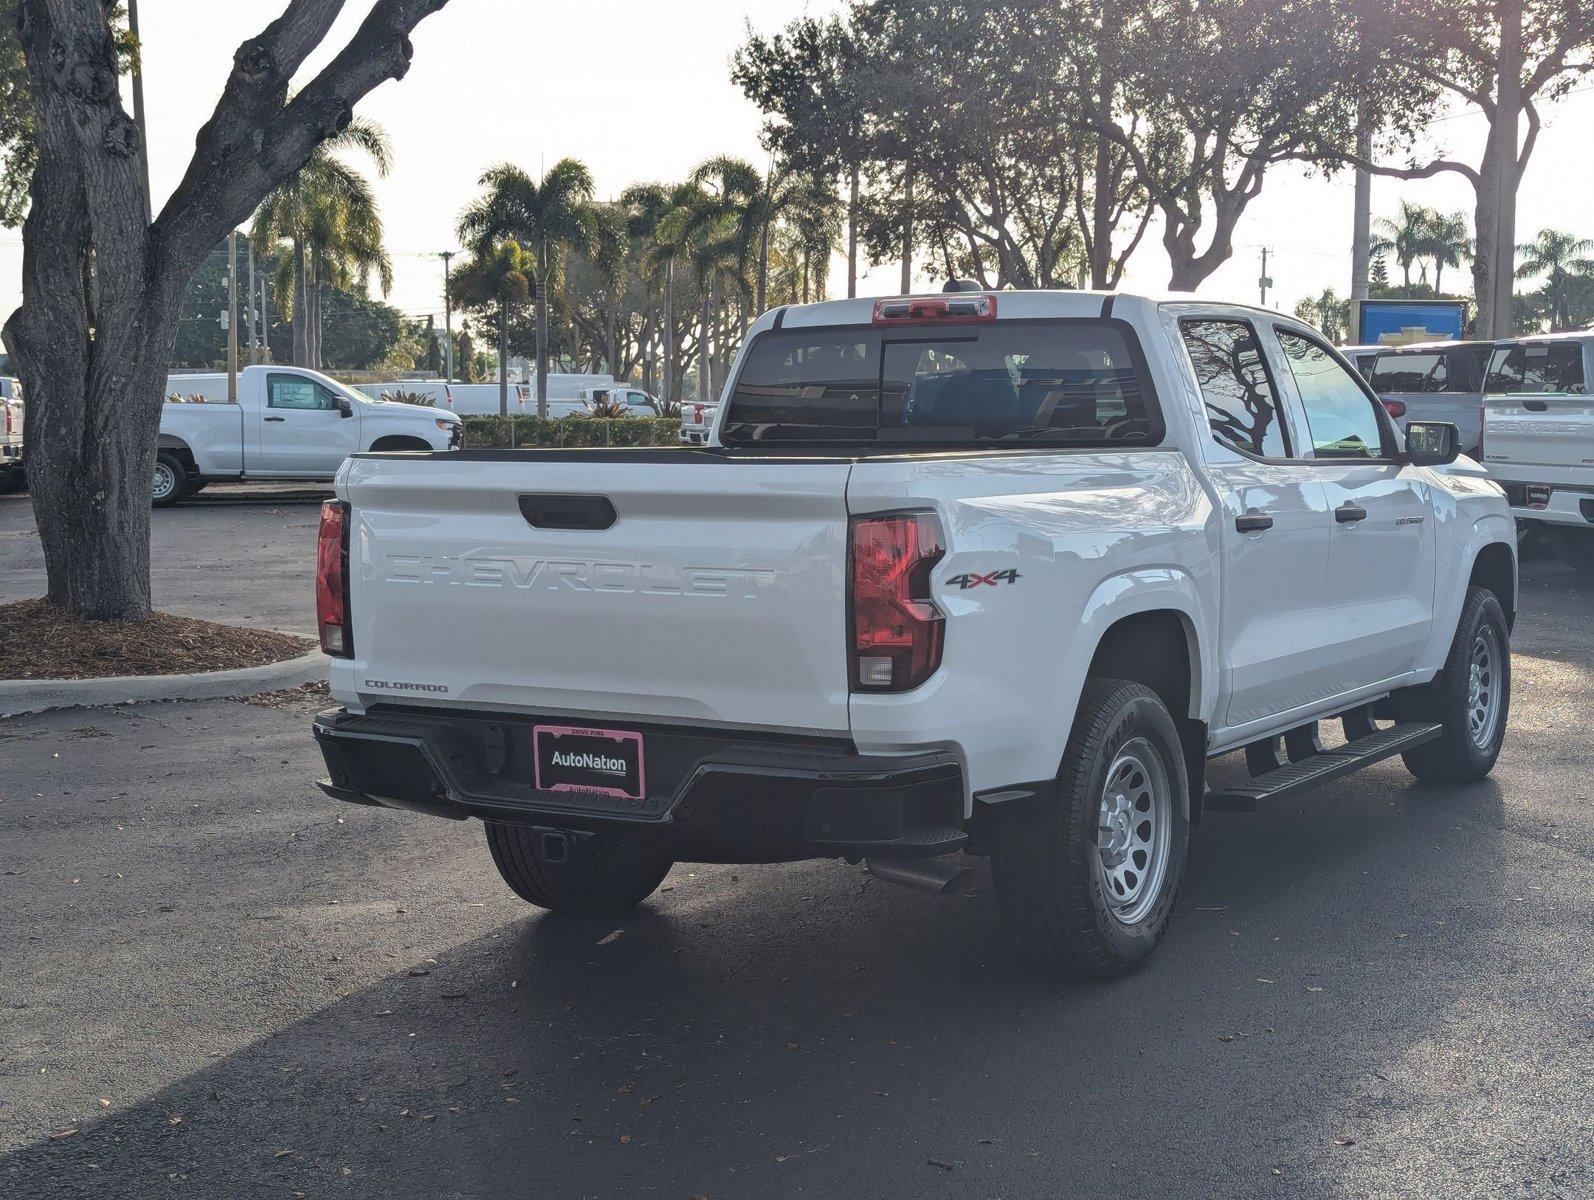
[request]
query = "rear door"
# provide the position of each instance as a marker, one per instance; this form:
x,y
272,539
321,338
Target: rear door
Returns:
x,y
702,590
302,428
1275,527
1381,559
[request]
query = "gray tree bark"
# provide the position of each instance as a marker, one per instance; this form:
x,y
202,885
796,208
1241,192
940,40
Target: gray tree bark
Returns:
x,y
102,283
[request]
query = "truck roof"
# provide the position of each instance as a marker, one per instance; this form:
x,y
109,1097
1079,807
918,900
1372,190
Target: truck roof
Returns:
x,y
1010,305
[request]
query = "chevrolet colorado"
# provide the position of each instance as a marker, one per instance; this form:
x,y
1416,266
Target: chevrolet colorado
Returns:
x,y
993,574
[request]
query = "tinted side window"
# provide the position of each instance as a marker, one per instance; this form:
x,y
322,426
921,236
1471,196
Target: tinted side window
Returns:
x,y
1342,418
294,391
1546,368
1241,405
1407,372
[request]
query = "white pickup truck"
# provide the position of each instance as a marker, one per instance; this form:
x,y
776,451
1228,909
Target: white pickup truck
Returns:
x,y
287,423
12,469
1538,437
993,574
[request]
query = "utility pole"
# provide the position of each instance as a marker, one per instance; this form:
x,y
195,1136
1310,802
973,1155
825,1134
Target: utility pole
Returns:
x,y
1263,281
1361,226
138,98
448,319
254,313
232,317
1496,322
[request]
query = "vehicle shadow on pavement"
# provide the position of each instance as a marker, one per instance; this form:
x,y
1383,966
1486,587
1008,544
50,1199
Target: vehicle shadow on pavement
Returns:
x,y
770,1031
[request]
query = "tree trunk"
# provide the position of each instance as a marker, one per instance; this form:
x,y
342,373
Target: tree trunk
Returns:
x,y
542,328
763,265
667,334
852,233
1503,135
1102,197
705,367
301,305
503,359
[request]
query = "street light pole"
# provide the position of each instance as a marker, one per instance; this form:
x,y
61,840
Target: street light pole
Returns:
x,y
232,317
448,320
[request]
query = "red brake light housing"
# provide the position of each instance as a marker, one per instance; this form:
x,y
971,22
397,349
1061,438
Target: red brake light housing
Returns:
x,y
332,581
897,632
1395,408
935,310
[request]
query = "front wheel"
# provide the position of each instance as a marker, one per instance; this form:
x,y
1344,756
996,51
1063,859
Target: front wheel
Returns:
x,y
590,882
1471,697
171,481
1088,880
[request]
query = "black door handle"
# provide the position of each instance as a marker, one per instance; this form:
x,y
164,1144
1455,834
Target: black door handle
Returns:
x,y
1253,522
274,418
1347,513
1535,406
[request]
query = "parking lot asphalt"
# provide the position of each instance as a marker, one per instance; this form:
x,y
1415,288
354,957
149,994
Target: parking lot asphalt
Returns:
x,y
216,982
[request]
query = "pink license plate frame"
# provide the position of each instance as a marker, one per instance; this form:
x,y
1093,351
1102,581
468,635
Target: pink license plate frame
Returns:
x,y
618,736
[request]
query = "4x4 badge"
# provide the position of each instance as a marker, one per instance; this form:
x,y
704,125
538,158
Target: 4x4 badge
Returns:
x,y
971,580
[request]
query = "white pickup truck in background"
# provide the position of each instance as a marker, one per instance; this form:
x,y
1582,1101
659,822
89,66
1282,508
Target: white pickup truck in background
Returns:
x,y
1538,438
288,423
994,574
12,471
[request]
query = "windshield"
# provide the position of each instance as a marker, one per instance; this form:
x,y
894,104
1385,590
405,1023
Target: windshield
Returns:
x,y
1071,383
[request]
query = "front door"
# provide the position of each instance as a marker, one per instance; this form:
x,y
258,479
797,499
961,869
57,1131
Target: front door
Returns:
x,y
1275,529
303,431
1382,544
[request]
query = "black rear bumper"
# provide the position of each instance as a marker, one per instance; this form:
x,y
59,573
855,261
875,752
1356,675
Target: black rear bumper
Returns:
x,y
716,796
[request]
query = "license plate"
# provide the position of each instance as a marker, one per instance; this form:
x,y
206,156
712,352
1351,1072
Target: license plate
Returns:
x,y
572,759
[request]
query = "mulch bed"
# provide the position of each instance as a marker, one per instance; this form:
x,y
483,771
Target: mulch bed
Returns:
x,y
43,642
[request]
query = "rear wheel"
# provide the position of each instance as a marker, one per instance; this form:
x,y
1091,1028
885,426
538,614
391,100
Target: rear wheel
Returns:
x,y
591,882
171,480
1089,880
1471,697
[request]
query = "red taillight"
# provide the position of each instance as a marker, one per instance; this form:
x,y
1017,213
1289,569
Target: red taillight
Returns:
x,y
332,580
1395,408
952,310
697,414
897,631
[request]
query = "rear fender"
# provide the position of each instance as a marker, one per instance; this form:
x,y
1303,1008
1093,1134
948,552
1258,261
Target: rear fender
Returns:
x,y
1145,590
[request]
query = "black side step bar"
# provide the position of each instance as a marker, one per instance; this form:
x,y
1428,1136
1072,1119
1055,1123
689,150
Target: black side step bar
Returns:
x,y
1308,773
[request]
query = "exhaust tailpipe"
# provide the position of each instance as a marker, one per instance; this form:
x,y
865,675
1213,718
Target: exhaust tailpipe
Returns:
x,y
934,875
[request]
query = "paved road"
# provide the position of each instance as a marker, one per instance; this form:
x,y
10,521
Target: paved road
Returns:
x,y
217,983
235,553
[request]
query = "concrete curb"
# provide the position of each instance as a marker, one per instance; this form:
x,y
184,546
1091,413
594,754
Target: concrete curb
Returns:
x,y
20,696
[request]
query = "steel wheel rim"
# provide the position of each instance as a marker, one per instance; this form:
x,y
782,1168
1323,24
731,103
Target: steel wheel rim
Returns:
x,y
165,481
1484,683
1134,828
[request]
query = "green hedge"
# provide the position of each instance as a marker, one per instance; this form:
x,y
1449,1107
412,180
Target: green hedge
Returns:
x,y
490,432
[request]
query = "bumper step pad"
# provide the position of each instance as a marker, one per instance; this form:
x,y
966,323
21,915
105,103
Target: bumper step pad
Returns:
x,y
1319,769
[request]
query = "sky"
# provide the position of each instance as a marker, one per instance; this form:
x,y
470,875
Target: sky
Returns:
x,y
640,90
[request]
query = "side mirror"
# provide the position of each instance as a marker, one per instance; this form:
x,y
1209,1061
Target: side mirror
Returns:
x,y
345,407
1432,443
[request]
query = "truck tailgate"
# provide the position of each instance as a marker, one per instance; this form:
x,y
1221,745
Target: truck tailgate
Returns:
x,y
715,596
1540,431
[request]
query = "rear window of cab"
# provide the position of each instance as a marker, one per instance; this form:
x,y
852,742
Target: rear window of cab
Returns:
x,y
1008,383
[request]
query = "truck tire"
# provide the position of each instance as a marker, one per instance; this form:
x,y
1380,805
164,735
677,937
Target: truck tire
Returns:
x,y
171,480
1088,879
588,883
1575,547
1471,697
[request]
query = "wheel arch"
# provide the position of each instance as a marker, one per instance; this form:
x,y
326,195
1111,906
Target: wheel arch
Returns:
x,y
1494,568
391,442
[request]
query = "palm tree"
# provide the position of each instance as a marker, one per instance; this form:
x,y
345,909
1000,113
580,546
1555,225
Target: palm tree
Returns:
x,y
1407,236
720,230
329,215
653,209
497,275
555,214
1447,245
1561,258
